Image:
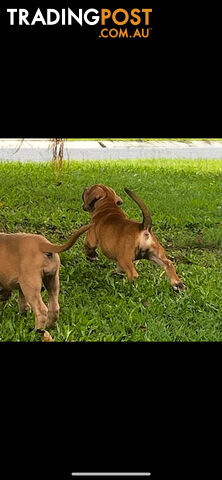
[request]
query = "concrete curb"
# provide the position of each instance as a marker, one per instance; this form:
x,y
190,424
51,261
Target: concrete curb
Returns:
x,y
39,150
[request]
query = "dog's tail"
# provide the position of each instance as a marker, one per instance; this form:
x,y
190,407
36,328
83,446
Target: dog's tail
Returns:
x,y
54,248
147,221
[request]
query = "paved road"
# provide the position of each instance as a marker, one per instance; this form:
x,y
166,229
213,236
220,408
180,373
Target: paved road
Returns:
x,y
40,151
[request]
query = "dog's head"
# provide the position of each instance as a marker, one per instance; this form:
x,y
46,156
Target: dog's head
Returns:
x,y
92,195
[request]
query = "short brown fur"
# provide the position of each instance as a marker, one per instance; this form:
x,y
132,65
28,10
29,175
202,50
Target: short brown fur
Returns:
x,y
121,239
26,261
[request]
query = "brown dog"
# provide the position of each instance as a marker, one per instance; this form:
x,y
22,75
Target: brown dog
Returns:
x,y
120,239
26,261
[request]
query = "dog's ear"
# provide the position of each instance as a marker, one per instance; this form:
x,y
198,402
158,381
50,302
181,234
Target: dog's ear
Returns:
x,y
83,193
91,196
119,200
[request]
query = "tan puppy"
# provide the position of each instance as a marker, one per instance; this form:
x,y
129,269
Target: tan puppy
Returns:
x,y
26,261
121,239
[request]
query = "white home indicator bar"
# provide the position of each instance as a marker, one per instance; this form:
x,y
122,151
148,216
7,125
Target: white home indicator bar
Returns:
x,y
111,474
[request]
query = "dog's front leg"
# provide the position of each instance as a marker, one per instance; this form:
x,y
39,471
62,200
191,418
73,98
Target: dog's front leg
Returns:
x,y
90,245
119,269
5,295
157,255
126,265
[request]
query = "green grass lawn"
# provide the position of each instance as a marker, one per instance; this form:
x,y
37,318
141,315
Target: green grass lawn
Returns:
x,y
184,198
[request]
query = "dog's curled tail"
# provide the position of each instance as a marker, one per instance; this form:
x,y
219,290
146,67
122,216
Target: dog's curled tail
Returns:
x,y
54,248
147,221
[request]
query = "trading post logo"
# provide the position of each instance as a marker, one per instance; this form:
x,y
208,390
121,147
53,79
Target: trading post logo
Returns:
x,y
118,23
124,24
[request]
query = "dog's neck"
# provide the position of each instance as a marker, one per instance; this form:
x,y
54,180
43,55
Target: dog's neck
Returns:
x,y
105,205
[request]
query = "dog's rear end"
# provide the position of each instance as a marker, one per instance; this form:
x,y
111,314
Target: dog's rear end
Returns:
x,y
26,261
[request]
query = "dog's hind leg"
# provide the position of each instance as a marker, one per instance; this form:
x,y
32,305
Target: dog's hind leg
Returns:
x,y
24,306
51,283
31,289
157,255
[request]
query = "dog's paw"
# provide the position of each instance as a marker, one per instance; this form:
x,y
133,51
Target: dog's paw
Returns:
x,y
92,259
47,337
179,286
